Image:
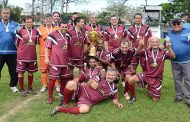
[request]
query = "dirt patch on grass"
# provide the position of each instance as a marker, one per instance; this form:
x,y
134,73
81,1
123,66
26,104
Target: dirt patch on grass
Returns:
x,y
19,106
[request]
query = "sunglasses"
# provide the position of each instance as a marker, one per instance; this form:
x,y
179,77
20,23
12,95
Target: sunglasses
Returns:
x,y
174,24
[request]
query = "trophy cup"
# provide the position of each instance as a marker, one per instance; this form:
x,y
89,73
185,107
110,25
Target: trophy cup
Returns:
x,y
93,37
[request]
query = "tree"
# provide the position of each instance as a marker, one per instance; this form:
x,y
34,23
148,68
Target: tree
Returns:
x,y
120,2
168,10
4,3
16,14
181,6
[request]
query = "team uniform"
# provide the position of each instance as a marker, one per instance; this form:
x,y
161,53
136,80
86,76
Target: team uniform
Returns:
x,y
26,55
58,62
75,47
71,25
114,36
153,75
85,94
90,73
123,65
105,57
133,34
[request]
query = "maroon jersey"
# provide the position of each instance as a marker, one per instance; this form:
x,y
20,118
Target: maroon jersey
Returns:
x,y
114,36
121,60
158,70
26,45
76,44
143,31
154,73
58,43
91,96
90,73
89,28
71,25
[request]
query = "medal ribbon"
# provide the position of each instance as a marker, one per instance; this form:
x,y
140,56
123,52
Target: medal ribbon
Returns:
x,y
29,34
154,58
6,26
115,31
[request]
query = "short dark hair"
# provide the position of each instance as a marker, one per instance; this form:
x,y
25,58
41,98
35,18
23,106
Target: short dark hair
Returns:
x,y
62,22
114,16
56,12
139,14
74,13
77,20
28,17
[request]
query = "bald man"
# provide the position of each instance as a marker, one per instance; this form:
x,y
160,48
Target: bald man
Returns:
x,y
154,63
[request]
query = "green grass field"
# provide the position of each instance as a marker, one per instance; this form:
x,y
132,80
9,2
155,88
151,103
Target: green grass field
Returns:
x,y
144,110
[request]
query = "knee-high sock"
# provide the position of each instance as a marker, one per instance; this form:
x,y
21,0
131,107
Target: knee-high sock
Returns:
x,y
67,96
63,84
51,86
30,80
21,83
72,110
126,89
44,79
132,89
57,83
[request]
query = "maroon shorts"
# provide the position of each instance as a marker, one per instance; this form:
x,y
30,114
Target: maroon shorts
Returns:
x,y
153,85
27,66
59,72
79,63
81,96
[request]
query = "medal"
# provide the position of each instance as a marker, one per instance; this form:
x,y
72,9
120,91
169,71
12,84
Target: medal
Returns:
x,y
77,43
63,38
155,64
30,41
115,33
138,33
115,36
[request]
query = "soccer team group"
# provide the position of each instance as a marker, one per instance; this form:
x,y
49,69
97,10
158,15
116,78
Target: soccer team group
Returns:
x,y
102,64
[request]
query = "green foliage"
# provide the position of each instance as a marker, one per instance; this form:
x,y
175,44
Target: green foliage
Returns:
x,y
16,14
104,18
168,11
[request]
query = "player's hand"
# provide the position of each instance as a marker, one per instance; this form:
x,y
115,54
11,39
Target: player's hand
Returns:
x,y
94,84
47,61
120,105
168,44
141,42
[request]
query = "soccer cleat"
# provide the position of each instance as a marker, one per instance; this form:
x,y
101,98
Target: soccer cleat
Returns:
x,y
31,91
14,89
57,88
22,93
132,100
43,89
50,100
55,111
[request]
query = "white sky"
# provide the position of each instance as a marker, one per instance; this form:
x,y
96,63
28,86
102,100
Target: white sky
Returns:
x,y
94,5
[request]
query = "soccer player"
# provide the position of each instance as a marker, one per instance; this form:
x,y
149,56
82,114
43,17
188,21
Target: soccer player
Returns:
x,y
71,24
7,48
27,38
93,26
121,59
154,63
90,93
56,18
44,31
77,45
113,34
57,42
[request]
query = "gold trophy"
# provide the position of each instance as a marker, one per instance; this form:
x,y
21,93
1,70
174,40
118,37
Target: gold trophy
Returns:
x,y
93,37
